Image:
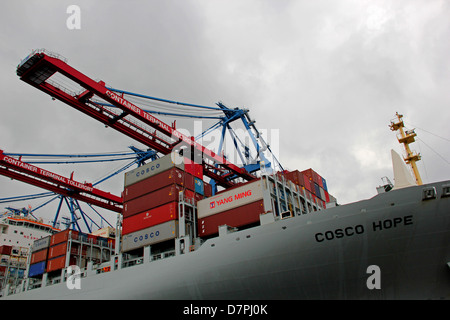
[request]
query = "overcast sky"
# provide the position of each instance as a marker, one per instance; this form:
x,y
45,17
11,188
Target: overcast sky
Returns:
x,y
329,75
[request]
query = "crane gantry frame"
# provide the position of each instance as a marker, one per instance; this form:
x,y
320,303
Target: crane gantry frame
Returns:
x,y
101,102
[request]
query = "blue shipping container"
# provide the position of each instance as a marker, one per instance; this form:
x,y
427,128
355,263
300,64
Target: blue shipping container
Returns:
x,y
317,190
199,186
324,182
37,269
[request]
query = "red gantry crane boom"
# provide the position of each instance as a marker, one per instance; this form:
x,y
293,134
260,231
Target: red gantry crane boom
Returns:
x,y
39,68
39,177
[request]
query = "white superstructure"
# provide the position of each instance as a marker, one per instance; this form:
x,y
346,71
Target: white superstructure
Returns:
x,y
21,231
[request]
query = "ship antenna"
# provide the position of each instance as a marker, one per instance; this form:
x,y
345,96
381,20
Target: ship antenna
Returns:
x,y
407,137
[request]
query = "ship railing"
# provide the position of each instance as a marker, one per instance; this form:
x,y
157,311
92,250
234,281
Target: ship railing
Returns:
x,y
132,262
163,255
140,260
45,51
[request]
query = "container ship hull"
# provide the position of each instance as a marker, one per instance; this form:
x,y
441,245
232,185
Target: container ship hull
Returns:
x,y
329,254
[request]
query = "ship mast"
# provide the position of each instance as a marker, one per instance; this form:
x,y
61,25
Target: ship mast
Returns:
x,y
407,137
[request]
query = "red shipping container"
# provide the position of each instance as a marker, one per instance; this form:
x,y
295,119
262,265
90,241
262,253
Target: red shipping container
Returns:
x,y
5,249
39,256
327,196
196,169
188,194
159,181
236,217
307,183
58,250
312,187
59,263
319,181
56,263
61,249
63,236
150,218
314,176
296,177
151,200
208,190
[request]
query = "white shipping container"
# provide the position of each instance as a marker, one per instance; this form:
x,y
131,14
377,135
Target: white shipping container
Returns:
x,y
107,232
4,259
322,193
24,251
153,168
234,198
161,232
40,244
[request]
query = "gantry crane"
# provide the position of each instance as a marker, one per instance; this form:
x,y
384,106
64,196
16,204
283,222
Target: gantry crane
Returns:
x,y
24,171
39,177
131,120
113,108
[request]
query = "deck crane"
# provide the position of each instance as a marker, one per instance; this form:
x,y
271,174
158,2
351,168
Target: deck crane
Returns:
x,y
126,117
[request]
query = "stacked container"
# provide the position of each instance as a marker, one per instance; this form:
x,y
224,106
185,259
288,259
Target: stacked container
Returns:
x,y
235,207
318,186
5,258
151,198
68,247
57,251
12,264
38,260
314,185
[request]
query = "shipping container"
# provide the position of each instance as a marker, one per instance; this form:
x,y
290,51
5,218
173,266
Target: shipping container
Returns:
x,y
2,271
40,244
56,263
24,251
199,187
106,232
322,194
150,218
196,169
324,184
159,181
296,177
152,235
37,269
327,196
312,175
4,259
22,262
63,236
153,168
232,198
208,189
57,250
317,190
39,256
320,181
237,217
61,249
152,200
307,182
60,263
5,249
191,195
